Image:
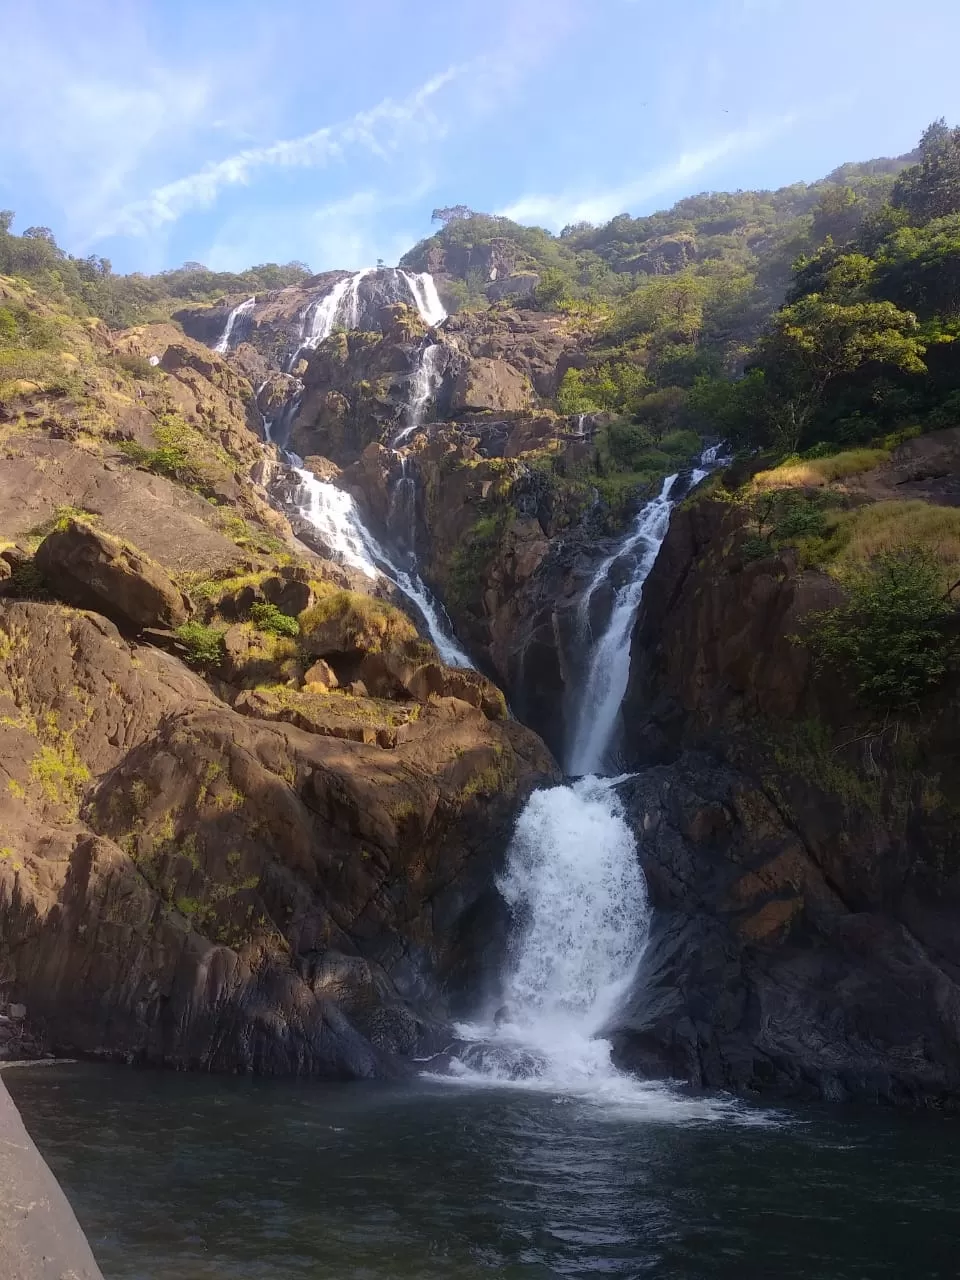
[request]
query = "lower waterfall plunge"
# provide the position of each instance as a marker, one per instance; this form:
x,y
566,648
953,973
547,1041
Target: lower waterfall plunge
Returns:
x,y
577,895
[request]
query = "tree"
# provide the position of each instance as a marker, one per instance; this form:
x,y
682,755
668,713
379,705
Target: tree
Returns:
x,y
838,214
552,289
919,268
931,189
40,233
454,213
890,635
816,341
6,221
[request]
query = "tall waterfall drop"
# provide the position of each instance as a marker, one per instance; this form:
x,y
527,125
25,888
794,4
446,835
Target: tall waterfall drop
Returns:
x,y
609,663
577,895
223,345
423,385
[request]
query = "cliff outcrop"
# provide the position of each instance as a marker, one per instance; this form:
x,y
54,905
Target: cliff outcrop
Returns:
x,y
801,850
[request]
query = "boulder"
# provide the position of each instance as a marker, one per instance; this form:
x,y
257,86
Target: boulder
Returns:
x,y
94,571
486,384
321,673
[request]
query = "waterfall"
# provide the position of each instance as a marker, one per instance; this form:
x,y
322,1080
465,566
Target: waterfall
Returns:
x,y
609,663
423,385
332,511
609,667
424,290
334,515
340,306
577,895
402,515
244,309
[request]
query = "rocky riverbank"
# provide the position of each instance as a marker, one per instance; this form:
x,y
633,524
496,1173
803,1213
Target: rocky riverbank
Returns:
x,y
40,1238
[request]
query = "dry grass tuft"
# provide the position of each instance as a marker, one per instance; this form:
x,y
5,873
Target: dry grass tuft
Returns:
x,y
890,526
814,473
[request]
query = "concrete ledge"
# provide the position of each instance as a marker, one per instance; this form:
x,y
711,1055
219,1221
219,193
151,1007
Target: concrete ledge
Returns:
x,y
40,1239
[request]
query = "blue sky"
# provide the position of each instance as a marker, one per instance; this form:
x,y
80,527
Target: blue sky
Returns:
x,y
233,132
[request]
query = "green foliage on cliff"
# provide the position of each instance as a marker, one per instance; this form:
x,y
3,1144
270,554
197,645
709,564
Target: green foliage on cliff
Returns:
x,y
203,645
267,617
89,286
470,562
891,634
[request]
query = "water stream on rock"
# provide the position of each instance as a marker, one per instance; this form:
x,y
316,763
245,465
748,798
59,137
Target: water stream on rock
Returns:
x,y
244,309
609,662
577,895
332,511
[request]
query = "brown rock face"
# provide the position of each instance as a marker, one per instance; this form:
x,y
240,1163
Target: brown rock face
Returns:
x,y
94,571
186,884
485,384
799,855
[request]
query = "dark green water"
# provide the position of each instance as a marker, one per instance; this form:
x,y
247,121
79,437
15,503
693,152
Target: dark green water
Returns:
x,y
193,1178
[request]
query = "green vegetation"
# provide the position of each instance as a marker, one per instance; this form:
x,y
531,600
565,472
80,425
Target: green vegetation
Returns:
x,y
890,633
88,286
203,645
358,622
267,617
183,454
470,561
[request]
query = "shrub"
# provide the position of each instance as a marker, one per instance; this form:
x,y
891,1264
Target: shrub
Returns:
x,y
358,622
890,635
267,617
204,645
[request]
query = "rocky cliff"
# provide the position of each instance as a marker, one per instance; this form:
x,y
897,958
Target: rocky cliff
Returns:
x,y
801,852
248,819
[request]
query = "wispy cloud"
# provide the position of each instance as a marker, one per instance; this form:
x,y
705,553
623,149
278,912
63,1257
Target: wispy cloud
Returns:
x,y
562,209
380,130
349,232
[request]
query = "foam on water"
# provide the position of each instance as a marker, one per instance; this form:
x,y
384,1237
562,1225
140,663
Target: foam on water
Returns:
x,y
578,899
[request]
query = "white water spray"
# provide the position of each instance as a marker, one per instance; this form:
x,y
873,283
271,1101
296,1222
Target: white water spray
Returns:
x,y
576,890
424,290
609,665
423,385
223,346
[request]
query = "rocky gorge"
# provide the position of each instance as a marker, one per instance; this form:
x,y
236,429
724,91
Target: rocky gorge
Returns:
x,y
303,597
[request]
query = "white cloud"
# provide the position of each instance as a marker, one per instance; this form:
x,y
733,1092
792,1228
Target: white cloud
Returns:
x,y
347,232
561,209
380,130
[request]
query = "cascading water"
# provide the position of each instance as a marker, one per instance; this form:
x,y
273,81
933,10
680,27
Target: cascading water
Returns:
x,y
244,309
331,511
423,385
334,515
426,297
577,895
609,664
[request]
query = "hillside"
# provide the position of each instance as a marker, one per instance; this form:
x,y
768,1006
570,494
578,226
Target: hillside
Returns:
x,y
277,550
